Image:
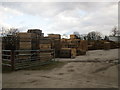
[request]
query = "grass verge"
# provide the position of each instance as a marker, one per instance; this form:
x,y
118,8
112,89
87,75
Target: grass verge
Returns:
x,y
48,66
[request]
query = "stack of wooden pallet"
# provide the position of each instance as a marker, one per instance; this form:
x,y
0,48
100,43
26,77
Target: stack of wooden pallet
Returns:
x,y
65,53
25,43
25,40
82,48
106,45
45,56
45,47
83,45
73,52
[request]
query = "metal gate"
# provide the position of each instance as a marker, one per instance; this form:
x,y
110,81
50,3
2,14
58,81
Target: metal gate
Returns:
x,y
19,59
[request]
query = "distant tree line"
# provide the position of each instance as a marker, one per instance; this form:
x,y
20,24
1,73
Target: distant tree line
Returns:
x,y
93,35
10,31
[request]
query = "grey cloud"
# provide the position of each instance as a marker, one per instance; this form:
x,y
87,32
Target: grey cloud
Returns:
x,y
71,16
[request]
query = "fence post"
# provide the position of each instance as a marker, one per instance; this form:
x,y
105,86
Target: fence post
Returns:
x,y
12,60
54,54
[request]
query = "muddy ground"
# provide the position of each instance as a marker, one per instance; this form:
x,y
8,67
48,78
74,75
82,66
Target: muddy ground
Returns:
x,y
97,69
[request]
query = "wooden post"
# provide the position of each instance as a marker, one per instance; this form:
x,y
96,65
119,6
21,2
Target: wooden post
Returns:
x,y
12,60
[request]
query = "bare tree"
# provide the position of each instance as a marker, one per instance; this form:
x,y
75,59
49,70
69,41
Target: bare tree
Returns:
x,y
11,31
106,38
9,38
77,34
83,36
64,36
94,35
114,31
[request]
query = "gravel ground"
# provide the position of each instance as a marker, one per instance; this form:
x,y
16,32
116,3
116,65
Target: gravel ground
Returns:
x,y
97,69
96,55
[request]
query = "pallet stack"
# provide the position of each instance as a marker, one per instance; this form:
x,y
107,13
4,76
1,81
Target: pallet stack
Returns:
x,y
91,45
25,43
36,31
68,53
56,42
64,43
73,52
83,45
73,36
106,45
25,40
45,46
81,50
45,56
65,53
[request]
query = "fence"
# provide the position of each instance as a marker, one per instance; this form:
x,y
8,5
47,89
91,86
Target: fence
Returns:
x,y
19,59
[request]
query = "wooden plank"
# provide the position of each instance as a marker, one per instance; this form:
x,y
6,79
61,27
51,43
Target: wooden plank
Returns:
x,y
7,64
25,45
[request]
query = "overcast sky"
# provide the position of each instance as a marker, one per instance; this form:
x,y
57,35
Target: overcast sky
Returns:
x,y
60,17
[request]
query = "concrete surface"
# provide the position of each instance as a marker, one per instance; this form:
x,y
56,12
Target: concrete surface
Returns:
x,y
84,73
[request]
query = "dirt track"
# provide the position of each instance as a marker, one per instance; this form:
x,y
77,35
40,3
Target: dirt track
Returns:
x,y
88,74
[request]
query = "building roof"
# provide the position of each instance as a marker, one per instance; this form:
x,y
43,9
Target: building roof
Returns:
x,y
114,38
